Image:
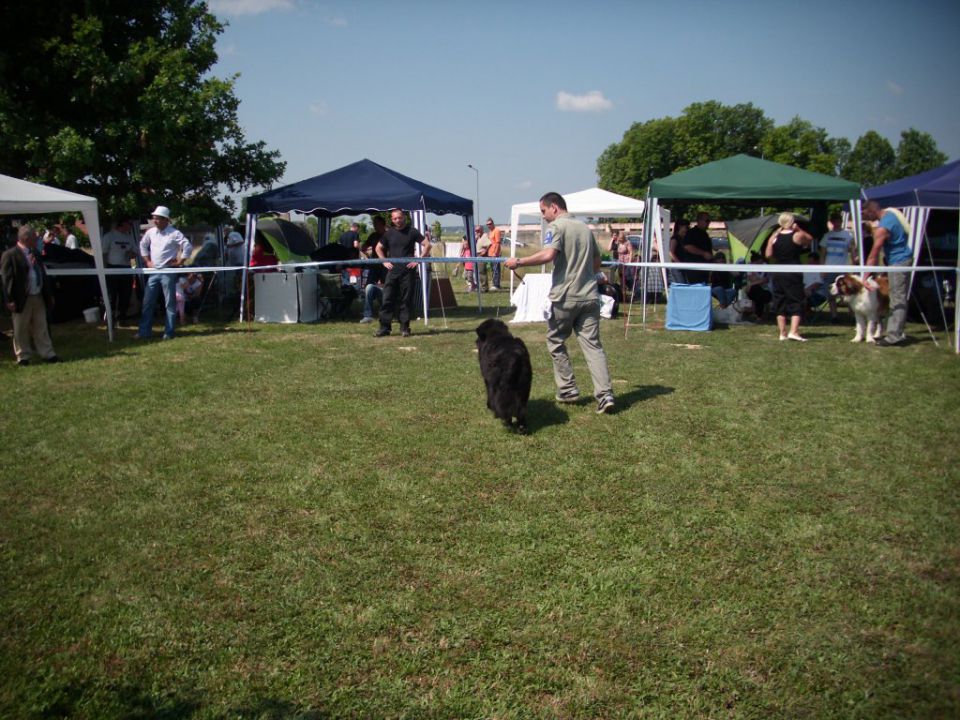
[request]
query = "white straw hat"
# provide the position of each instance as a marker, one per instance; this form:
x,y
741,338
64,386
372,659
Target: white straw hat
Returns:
x,y
161,211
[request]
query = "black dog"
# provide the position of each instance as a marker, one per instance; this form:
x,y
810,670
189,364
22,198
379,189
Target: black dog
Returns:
x,y
505,366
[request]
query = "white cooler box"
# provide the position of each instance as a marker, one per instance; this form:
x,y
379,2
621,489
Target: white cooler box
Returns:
x,y
284,297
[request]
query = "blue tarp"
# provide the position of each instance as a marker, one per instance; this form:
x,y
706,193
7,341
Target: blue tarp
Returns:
x,y
937,188
688,308
361,187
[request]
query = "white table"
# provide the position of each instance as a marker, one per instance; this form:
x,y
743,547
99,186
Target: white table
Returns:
x,y
530,298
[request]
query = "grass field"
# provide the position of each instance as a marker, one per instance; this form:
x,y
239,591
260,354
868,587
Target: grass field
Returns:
x,y
302,521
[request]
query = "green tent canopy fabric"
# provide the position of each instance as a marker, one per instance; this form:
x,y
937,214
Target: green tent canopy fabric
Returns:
x,y
749,180
749,235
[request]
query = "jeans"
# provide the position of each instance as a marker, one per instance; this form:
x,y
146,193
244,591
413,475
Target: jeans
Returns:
x,y
371,293
899,290
496,274
166,282
724,295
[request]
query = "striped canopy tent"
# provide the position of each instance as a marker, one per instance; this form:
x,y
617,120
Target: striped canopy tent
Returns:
x,y
917,196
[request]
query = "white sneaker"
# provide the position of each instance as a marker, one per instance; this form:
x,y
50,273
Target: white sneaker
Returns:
x,y
364,321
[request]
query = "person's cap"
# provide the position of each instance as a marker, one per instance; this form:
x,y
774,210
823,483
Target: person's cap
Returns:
x,y
161,211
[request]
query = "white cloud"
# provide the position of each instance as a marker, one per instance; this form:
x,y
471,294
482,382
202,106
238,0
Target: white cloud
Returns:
x,y
894,87
248,7
593,101
525,185
319,108
337,21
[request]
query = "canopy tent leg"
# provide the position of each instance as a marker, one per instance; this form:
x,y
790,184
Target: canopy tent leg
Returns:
x,y
92,220
247,243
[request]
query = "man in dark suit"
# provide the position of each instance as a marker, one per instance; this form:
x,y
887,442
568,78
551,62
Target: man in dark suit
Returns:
x,y
28,293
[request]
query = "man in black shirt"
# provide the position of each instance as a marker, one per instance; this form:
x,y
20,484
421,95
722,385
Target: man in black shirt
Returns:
x,y
697,247
350,239
399,241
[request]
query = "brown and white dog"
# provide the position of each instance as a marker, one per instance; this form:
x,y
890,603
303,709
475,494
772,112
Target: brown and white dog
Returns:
x,y
869,301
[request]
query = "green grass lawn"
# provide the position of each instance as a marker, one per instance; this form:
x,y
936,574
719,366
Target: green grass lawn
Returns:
x,y
302,521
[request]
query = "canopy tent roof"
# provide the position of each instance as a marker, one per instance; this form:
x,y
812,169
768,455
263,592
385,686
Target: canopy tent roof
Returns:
x,y
592,201
937,188
745,179
21,197
361,187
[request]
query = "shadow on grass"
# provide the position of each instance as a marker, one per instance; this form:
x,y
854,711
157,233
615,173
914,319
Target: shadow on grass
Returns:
x,y
544,413
639,395
133,701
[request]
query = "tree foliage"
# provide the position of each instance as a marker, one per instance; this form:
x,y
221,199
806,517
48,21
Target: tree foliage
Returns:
x,y
916,152
709,131
115,100
871,161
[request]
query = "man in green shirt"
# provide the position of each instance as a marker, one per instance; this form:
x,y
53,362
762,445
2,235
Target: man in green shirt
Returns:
x,y
574,298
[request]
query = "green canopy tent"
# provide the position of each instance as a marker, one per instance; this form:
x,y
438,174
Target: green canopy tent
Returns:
x,y
746,180
749,235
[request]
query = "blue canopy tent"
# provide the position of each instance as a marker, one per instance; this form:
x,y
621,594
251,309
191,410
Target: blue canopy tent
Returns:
x,y
358,188
917,196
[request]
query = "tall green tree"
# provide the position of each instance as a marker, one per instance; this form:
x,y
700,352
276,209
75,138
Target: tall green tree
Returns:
x,y
871,160
115,99
709,131
704,132
916,152
800,144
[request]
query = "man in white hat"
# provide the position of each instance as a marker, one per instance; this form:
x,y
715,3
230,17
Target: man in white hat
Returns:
x,y
162,246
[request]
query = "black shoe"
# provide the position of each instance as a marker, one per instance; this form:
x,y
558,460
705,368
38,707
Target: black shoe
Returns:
x,y
405,332
52,359
382,332
23,363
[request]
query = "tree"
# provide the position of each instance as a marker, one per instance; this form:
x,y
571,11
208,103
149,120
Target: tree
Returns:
x,y
917,152
115,100
711,131
800,144
704,132
871,160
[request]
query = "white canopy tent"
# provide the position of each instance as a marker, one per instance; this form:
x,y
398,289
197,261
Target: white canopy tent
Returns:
x,y
19,197
592,202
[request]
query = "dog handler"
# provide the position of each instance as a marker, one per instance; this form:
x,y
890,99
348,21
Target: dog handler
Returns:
x,y
574,300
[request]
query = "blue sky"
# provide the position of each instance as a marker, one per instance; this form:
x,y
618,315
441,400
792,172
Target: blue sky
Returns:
x,y
531,93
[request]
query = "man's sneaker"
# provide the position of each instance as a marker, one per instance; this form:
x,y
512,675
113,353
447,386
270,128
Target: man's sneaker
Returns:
x,y
382,332
605,405
364,321
569,398
405,332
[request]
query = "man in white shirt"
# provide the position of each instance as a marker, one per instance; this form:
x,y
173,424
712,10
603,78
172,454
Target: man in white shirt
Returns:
x,y
162,246
69,239
118,247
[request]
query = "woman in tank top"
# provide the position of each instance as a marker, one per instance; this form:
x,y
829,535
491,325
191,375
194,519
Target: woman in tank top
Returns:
x,y
788,297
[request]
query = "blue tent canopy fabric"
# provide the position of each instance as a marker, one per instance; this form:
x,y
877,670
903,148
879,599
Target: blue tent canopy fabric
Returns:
x,y
358,188
937,188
